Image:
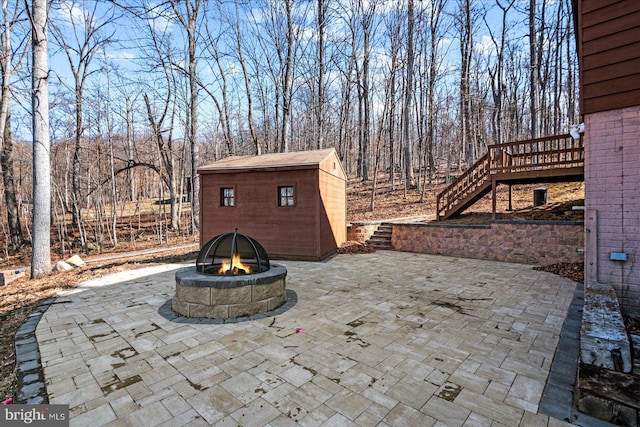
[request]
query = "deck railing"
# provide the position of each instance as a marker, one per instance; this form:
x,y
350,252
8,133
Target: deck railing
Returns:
x,y
530,156
556,152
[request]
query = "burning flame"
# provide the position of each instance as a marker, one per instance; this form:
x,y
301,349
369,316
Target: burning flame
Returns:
x,y
238,266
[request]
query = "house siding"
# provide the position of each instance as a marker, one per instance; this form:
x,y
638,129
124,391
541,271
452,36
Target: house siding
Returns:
x,y
612,188
609,35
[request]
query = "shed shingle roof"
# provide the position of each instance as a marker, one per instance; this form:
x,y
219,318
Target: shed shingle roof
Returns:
x,y
277,160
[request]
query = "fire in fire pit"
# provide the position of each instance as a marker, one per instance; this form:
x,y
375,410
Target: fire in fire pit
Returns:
x,y
232,254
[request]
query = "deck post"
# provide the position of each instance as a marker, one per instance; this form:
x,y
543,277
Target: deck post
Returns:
x,y
510,207
494,184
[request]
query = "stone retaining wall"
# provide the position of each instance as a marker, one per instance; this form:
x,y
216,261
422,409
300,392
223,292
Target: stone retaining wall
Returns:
x,y
529,242
361,231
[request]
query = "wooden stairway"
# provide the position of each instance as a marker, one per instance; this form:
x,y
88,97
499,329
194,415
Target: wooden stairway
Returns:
x,y
551,159
381,238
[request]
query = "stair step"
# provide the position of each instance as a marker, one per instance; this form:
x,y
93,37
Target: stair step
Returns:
x,y
381,237
377,240
381,245
382,234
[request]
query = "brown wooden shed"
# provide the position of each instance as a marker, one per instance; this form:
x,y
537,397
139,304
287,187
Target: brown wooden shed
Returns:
x,y
294,204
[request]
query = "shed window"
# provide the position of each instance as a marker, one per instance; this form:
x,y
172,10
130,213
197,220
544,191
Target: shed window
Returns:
x,y
227,197
286,196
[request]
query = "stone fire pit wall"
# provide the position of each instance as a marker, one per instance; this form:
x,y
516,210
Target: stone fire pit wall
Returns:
x,y
226,297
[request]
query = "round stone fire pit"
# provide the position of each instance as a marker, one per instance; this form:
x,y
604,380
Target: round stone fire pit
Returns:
x,y
232,278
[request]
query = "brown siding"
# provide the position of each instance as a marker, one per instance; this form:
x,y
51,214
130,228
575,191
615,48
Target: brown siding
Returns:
x,y
609,33
283,231
312,229
333,226
333,204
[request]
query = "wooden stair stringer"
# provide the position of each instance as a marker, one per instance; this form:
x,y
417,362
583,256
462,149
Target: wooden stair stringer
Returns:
x,y
480,191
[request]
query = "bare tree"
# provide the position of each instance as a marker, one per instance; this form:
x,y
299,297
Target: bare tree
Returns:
x,y
9,70
464,24
534,71
215,57
408,99
188,18
41,237
497,72
320,111
89,38
247,80
435,16
162,123
395,35
287,82
166,152
364,17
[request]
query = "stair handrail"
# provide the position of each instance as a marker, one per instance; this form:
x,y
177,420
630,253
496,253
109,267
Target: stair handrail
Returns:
x,y
464,184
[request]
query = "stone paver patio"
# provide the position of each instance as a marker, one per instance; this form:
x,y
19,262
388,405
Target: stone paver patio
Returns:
x,y
386,339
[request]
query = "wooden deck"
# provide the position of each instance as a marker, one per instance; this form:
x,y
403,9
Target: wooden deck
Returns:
x,y
551,159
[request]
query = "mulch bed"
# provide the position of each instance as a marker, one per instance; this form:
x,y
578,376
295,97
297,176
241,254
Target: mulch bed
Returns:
x,y
352,247
570,270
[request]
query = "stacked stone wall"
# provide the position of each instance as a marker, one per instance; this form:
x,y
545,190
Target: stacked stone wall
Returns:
x,y
529,242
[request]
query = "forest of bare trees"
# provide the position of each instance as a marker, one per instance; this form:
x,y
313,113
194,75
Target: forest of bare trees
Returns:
x,y
143,93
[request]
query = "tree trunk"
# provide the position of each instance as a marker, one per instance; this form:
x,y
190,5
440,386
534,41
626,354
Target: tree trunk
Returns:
x,y
76,192
434,25
247,86
322,25
366,107
534,69
41,235
286,83
13,214
193,127
466,51
406,133
130,148
392,127
16,238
